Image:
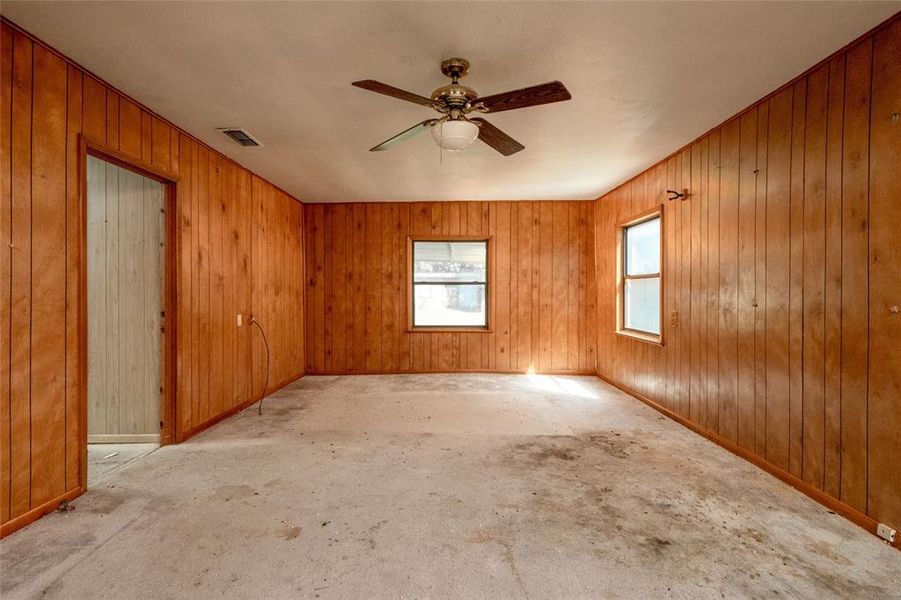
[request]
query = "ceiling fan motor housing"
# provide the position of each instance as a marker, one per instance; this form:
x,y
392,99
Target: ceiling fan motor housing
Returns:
x,y
454,95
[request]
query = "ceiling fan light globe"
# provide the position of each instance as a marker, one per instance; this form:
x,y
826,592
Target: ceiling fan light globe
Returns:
x,y
454,136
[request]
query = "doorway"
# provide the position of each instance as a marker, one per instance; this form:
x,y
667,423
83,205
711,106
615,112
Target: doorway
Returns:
x,y
126,263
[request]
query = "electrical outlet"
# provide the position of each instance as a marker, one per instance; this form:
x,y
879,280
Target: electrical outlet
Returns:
x,y
885,532
240,320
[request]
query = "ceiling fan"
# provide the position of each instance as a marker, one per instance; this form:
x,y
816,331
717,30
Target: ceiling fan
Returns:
x,y
454,130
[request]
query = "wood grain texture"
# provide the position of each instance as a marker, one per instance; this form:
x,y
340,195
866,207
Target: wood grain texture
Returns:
x,y
229,261
884,390
357,282
19,128
798,197
6,251
855,276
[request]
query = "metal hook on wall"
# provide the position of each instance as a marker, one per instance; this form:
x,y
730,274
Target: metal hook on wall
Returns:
x,y
673,194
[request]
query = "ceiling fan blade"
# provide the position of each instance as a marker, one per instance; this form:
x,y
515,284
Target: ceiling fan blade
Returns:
x,y
383,88
404,135
496,138
530,96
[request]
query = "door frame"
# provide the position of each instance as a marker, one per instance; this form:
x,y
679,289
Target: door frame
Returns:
x,y
168,433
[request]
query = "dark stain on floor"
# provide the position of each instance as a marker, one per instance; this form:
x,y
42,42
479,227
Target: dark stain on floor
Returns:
x,y
102,501
580,487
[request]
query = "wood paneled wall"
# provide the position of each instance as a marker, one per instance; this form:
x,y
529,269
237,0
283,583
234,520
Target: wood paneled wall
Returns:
x,y
277,266
238,250
784,270
541,302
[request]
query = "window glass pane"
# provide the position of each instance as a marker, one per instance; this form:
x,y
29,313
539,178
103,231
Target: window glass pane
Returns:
x,y
642,305
449,305
450,261
643,248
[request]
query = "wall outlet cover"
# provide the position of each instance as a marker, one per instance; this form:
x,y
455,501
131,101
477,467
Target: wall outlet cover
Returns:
x,y
885,532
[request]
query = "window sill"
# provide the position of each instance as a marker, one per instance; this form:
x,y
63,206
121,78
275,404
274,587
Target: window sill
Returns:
x,y
449,330
647,338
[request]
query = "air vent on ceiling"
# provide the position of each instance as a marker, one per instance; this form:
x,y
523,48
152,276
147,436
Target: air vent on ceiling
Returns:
x,y
240,136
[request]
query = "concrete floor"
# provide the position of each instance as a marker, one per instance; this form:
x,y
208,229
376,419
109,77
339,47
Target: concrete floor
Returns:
x,y
466,486
104,459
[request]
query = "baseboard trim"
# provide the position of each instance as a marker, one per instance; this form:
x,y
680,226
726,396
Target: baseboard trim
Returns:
x,y
124,438
455,371
837,506
36,513
182,436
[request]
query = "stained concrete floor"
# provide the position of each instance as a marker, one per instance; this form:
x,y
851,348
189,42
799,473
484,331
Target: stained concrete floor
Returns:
x,y
104,459
427,486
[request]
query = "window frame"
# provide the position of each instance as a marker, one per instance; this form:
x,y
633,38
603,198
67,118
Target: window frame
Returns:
x,y
621,277
489,287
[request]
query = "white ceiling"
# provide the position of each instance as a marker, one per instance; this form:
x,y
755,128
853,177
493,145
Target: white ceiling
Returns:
x,y
646,78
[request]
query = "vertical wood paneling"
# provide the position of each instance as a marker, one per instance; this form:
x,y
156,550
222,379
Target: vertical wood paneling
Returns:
x,y
94,110
728,288
832,306
524,314
48,272
503,300
700,303
591,288
230,291
713,283
535,244
74,380
130,128
20,278
559,276
884,407
47,103
854,276
777,275
6,74
814,276
694,258
112,119
798,273
204,316
759,298
185,323
746,278
359,270
573,292
684,232
373,297
671,314
795,283
216,288
386,277
277,259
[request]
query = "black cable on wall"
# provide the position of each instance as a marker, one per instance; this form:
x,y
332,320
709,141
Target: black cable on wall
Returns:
x,y
266,344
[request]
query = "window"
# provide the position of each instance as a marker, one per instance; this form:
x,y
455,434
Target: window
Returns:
x,y
640,299
449,284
